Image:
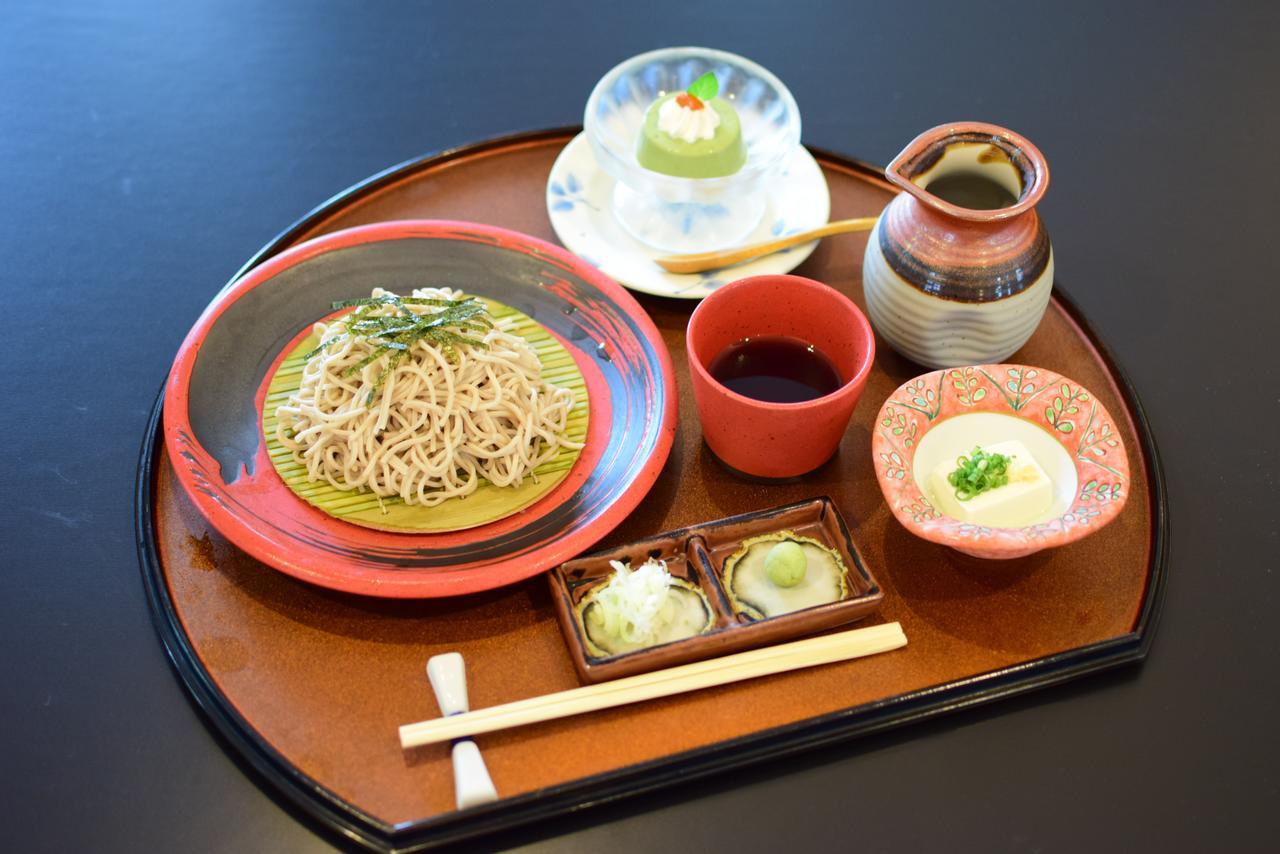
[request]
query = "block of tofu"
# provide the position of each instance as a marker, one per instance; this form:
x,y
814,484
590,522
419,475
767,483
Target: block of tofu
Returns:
x,y
1024,500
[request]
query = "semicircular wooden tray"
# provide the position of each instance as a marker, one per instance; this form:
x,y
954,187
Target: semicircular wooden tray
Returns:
x,y
309,685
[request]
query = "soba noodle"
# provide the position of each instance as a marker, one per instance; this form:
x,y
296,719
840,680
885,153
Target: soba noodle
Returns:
x,y
433,426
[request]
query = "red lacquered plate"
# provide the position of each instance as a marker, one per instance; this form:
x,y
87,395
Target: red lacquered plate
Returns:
x,y
214,397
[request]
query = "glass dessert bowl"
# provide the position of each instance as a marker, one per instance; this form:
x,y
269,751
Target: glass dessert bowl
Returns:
x,y
675,212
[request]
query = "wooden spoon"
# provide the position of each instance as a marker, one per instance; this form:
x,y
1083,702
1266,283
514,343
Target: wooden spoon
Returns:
x,y
700,261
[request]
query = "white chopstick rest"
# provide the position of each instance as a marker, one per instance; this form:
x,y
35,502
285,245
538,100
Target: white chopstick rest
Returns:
x,y
662,683
471,782
448,675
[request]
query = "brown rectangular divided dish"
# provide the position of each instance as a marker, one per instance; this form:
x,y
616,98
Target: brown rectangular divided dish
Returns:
x,y
697,554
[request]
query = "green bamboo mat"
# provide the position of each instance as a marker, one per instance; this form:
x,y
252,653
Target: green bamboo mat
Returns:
x,y
488,503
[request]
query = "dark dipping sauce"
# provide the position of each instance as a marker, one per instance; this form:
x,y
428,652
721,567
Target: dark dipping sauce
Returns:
x,y
776,369
971,191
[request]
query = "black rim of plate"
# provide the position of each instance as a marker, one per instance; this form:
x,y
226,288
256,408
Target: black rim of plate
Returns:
x,y
313,803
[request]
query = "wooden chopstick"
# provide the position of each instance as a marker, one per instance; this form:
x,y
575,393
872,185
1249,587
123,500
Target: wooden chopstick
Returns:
x,y
662,683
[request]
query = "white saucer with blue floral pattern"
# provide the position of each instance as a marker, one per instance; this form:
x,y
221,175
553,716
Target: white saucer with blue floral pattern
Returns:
x,y
578,202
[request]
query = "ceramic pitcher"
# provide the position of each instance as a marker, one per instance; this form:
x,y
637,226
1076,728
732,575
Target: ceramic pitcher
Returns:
x,y
961,275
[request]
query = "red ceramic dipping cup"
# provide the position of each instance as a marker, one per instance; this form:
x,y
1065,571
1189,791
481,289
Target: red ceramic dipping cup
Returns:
x,y
778,440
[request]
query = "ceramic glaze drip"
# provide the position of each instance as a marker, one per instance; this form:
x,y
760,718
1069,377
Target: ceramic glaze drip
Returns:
x,y
936,263
960,235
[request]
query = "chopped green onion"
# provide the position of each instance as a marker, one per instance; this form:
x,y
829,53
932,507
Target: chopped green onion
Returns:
x,y
978,473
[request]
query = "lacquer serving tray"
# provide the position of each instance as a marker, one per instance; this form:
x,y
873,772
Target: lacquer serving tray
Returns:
x,y
309,685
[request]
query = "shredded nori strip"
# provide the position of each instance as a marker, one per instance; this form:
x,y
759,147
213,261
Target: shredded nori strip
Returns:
x,y
394,335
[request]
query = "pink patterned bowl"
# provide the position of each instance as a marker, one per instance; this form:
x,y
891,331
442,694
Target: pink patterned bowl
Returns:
x,y
1075,441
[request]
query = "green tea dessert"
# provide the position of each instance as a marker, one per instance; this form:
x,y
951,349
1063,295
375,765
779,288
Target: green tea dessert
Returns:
x,y
692,134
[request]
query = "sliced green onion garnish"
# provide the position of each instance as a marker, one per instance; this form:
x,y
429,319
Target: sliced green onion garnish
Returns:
x,y
978,473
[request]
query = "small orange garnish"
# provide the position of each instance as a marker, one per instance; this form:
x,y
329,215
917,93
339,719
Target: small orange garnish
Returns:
x,y
689,102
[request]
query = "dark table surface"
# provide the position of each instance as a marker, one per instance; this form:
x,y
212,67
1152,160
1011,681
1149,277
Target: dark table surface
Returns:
x,y
149,149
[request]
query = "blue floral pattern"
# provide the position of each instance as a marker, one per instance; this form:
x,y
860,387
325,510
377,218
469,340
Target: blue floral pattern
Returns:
x,y
690,212
780,229
708,281
568,194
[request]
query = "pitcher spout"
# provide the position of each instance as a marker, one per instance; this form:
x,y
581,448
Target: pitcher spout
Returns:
x,y
972,171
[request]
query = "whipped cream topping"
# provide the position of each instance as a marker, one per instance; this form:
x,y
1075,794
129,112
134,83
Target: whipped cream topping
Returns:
x,y
687,124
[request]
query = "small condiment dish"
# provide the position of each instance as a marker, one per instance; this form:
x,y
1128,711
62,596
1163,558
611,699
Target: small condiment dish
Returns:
x,y
931,419
778,440
698,554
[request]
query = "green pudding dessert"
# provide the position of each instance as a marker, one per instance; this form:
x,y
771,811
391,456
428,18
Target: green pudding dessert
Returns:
x,y
692,134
